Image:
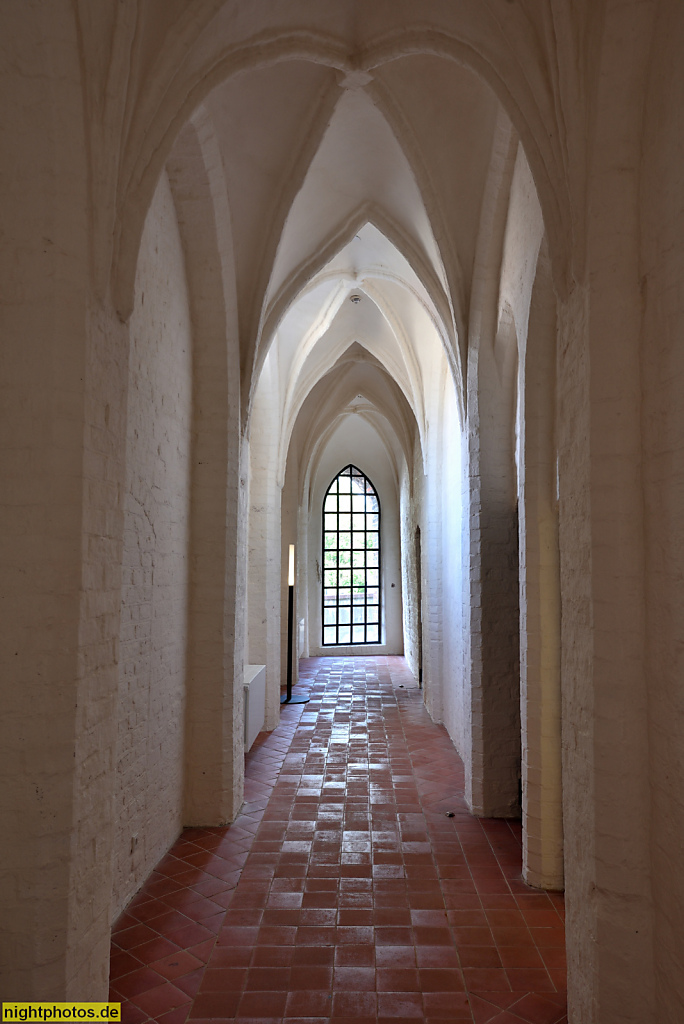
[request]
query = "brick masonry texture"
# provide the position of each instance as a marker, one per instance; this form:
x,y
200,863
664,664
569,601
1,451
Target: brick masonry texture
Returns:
x,y
149,793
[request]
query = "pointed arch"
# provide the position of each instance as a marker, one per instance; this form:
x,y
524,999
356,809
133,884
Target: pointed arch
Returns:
x,y
332,399
446,320
198,61
351,560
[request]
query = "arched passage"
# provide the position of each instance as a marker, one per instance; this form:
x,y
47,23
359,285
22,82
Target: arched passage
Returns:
x,y
345,157
96,97
325,309
347,311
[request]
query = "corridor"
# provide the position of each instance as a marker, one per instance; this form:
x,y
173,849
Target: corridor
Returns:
x,y
354,884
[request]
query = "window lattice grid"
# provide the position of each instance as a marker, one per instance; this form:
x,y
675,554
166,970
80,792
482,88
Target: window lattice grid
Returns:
x,y
351,560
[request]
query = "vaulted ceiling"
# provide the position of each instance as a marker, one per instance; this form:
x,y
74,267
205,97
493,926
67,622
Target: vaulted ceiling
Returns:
x,y
312,154
390,104
355,202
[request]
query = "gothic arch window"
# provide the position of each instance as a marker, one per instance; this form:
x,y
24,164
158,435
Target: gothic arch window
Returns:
x,y
351,560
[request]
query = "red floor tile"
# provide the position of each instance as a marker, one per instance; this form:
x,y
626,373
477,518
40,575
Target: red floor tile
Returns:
x,y
397,979
138,981
444,979
177,1016
520,956
354,1004
400,1004
122,963
213,1004
155,949
190,983
488,979
356,956
342,891
176,965
355,979
131,1013
312,1003
540,1009
156,1001
263,1004
129,938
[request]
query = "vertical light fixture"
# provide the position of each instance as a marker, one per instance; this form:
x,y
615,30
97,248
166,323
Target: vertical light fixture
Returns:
x,y
288,698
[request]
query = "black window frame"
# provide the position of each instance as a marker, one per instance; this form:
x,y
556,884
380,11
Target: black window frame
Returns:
x,y
332,554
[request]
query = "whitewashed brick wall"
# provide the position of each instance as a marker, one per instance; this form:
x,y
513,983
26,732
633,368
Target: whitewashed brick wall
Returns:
x,y
149,793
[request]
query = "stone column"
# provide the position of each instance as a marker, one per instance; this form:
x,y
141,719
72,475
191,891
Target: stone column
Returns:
x,y
264,575
607,796
493,781
214,718
62,424
493,769
540,699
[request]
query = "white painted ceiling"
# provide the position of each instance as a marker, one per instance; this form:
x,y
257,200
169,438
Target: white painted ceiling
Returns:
x,y
330,197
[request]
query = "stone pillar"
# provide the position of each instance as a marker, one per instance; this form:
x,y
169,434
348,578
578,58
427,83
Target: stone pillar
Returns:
x,y
432,555
662,217
493,782
62,425
540,699
607,795
264,562
493,769
214,723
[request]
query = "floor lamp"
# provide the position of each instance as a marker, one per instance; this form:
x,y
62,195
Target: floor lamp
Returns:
x,y
288,698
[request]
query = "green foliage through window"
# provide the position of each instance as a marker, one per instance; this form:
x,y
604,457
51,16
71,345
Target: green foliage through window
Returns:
x,y
351,560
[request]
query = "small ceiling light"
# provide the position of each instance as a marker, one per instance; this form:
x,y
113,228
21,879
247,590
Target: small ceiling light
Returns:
x,y
355,298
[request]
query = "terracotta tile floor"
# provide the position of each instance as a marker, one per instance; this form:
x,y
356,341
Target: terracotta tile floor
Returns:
x,y
343,891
